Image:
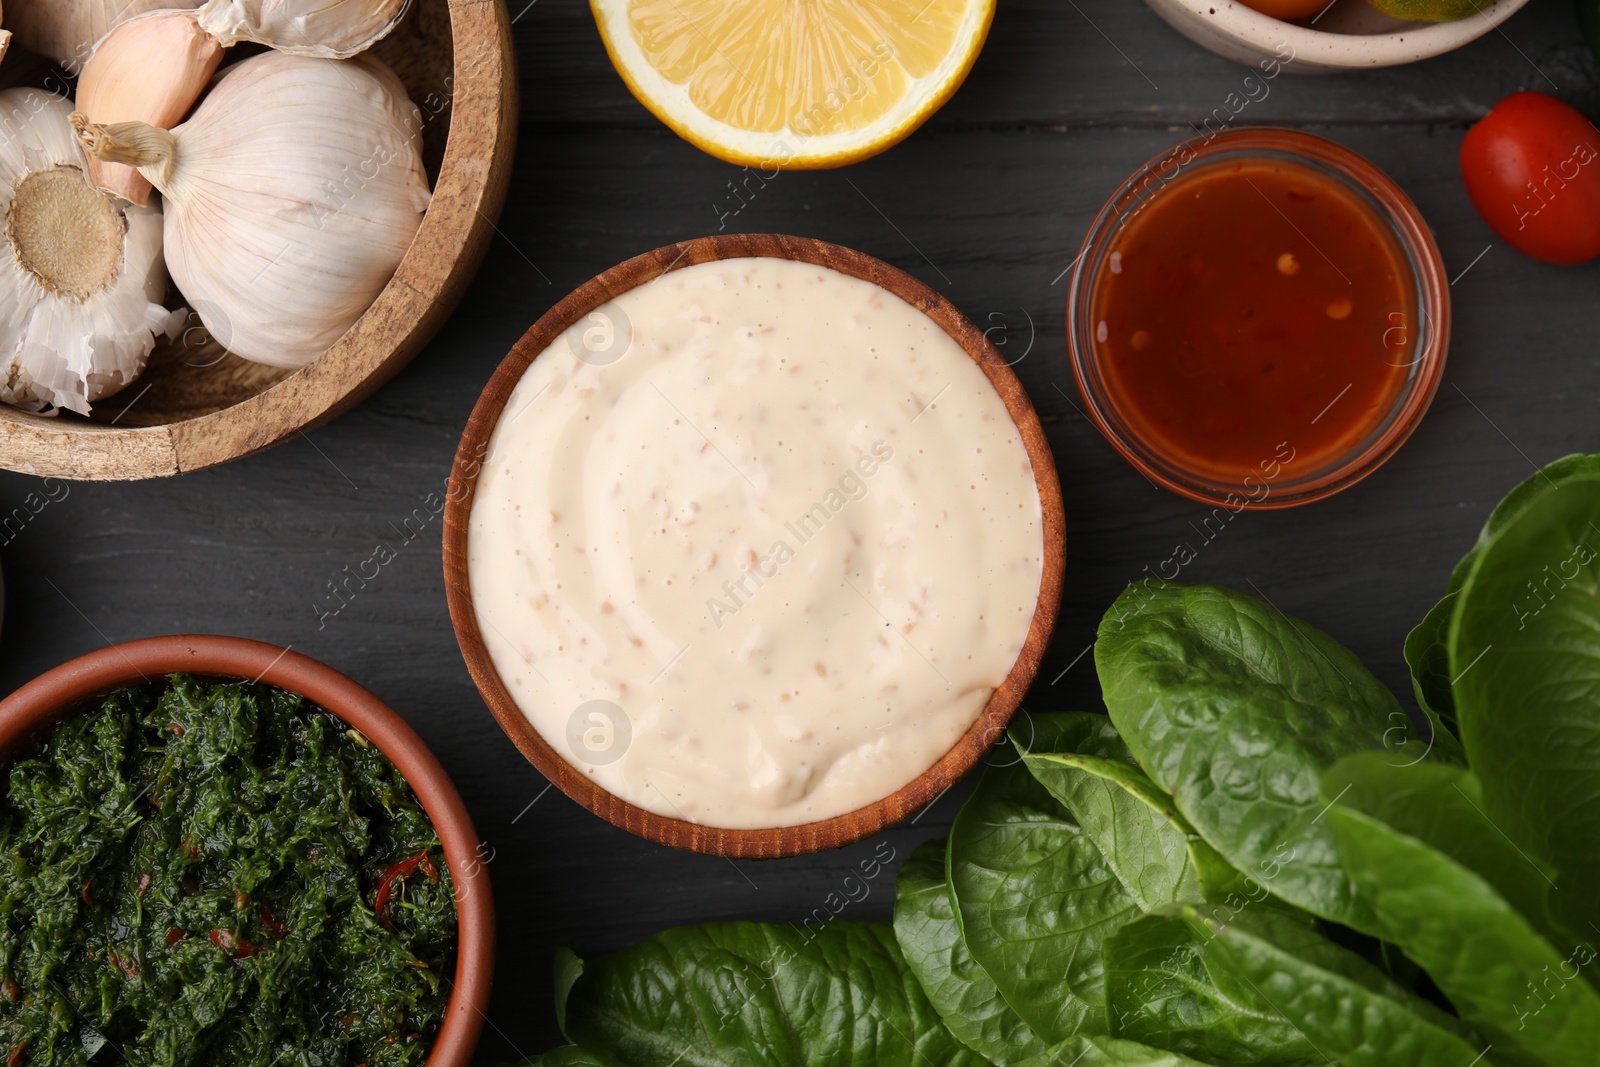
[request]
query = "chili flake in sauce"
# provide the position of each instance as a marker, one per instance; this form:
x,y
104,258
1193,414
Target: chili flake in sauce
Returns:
x,y
1250,303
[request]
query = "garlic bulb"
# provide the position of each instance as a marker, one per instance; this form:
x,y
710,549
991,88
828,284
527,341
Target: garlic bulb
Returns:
x,y
66,30
291,196
151,69
81,281
326,29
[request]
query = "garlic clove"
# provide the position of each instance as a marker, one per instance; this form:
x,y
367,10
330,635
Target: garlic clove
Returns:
x,y
323,29
81,274
291,195
149,69
67,30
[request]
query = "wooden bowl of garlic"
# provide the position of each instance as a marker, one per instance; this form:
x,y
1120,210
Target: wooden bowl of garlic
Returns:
x,y
227,221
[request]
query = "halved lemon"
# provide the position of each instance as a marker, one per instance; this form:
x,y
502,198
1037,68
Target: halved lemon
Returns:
x,y
796,84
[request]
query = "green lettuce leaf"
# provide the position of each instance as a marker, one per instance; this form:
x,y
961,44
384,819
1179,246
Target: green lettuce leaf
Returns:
x,y
747,994
1034,896
1347,1011
1235,710
959,989
1108,1052
1152,849
568,968
571,1056
1442,806
1552,476
1525,652
1483,954
1160,992
1427,651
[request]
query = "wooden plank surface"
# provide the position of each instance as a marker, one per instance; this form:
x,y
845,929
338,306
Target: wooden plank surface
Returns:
x,y
987,204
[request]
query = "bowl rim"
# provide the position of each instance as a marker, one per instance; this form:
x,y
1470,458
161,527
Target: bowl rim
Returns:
x,y
988,729
67,690
1235,21
1411,232
433,276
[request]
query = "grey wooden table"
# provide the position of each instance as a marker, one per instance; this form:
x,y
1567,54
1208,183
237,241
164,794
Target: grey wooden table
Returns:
x,y
987,203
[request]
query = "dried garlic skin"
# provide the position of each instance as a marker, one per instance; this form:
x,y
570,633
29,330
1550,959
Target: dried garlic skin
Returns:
x,y
291,197
81,277
151,69
67,30
323,29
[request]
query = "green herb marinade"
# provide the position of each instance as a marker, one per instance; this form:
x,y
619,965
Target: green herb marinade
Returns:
x,y
193,874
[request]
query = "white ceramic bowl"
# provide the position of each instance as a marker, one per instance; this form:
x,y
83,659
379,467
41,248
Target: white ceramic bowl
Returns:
x,y
1348,36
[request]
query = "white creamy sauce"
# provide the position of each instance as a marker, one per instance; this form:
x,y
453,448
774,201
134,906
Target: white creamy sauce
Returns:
x,y
762,555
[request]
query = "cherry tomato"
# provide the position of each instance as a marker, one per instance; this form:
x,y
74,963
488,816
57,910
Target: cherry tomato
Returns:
x,y
1532,168
1287,9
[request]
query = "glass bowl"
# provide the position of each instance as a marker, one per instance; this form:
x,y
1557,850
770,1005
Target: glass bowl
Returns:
x,y
1426,341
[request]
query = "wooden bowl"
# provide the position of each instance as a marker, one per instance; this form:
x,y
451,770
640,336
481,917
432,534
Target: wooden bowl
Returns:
x,y
1347,35
196,405
74,687
986,731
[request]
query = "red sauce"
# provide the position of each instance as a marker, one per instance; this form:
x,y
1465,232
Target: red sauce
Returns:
x,y
1251,310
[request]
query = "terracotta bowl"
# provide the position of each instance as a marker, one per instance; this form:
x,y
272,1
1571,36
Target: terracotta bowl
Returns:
x,y
1347,35
75,686
196,405
781,841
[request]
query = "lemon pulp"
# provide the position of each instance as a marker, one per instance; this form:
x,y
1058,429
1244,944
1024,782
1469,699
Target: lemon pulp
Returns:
x,y
812,66
837,79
